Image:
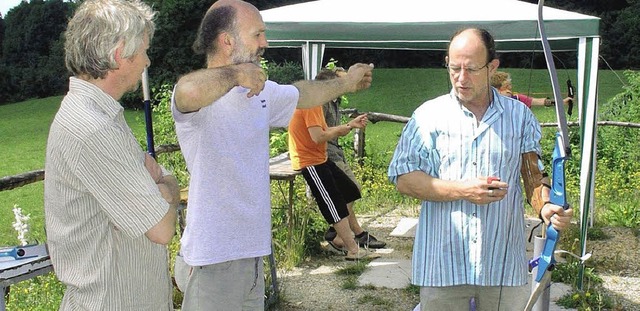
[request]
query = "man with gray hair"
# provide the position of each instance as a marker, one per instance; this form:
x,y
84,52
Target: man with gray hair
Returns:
x,y
110,209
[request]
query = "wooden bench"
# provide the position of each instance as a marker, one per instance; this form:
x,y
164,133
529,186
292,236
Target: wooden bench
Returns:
x,y
35,263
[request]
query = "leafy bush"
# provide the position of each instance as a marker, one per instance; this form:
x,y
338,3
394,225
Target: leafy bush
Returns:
x,y
285,73
617,178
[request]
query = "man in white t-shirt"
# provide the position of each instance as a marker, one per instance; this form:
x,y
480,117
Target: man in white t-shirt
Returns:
x,y
223,115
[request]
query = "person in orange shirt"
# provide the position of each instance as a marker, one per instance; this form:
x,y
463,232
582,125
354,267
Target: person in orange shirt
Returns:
x,y
330,186
333,117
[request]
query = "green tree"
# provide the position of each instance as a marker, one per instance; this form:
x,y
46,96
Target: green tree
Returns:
x,y
623,37
1,34
177,23
32,51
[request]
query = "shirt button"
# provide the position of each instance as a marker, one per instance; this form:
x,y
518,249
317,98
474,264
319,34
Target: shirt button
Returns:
x,y
474,163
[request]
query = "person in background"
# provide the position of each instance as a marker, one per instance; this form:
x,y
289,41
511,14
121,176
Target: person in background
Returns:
x,y
502,82
332,189
333,118
223,114
462,155
110,209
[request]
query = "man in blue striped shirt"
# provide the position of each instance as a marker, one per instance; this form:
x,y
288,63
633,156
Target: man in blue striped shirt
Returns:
x,y
461,154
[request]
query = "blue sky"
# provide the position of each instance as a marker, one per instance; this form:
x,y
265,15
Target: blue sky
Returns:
x,y
5,5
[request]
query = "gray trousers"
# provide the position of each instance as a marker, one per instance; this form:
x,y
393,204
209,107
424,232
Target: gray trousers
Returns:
x,y
229,286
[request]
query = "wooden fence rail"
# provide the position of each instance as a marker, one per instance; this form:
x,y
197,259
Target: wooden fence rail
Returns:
x,y
22,179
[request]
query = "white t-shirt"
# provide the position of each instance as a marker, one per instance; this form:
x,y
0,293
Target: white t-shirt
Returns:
x,y
226,147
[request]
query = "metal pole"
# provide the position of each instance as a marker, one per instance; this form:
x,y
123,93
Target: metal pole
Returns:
x,y
542,304
147,113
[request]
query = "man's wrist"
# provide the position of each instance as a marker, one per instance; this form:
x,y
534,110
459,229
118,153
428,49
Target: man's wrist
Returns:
x,y
548,102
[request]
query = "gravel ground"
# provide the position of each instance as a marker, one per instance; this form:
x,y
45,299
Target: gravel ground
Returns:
x,y
314,285
617,262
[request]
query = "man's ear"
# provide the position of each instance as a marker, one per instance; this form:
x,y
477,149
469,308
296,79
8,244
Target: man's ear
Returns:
x,y
226,41
118,54
493,65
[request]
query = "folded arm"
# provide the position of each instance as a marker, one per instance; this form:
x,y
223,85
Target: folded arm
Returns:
x,y
163,231
481,190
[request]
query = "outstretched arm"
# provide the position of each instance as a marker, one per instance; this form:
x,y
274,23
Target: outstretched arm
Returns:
x,y
319,136
315,93
202,87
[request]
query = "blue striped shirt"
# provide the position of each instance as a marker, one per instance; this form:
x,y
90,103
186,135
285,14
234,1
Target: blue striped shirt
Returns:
x,y
460,242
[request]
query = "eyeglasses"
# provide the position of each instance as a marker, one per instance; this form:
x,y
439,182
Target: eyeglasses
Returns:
x,y
456,70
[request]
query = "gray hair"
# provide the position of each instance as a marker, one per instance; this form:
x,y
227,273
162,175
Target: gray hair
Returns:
x,y
98,28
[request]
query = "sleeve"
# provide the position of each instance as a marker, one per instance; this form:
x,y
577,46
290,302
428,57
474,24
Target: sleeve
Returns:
x,y
112,169
284,99
313,117
525,99
532,134
411,154
184,119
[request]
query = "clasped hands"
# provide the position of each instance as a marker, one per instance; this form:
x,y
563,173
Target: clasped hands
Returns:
x,y
168,190
485,190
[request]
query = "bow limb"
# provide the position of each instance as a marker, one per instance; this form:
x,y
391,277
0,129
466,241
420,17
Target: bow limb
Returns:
x,y
539,289
561,153
553,74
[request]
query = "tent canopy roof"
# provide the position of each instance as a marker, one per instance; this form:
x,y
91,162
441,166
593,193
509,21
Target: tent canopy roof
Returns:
x,y
420,24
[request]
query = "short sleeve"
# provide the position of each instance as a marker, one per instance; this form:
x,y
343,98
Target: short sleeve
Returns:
x,y
411,153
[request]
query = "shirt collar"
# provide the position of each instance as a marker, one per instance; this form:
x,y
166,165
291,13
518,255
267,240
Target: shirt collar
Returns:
x,y
101,99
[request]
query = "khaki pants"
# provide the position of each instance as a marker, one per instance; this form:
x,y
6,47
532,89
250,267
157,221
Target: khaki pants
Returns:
x,y
486,297
232,285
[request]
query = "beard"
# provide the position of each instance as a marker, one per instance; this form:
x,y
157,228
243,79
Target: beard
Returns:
x,y
243,55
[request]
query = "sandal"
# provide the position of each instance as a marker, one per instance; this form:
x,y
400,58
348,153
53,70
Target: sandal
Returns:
x,y
330,234
332,247
365,239
361,255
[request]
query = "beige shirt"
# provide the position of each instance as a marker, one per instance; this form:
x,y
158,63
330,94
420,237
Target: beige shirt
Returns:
x,y
99,202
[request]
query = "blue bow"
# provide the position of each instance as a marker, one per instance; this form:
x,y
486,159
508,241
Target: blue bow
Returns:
x,y
561,153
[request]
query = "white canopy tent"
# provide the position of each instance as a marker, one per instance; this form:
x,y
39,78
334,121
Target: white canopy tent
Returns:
x,y
428,25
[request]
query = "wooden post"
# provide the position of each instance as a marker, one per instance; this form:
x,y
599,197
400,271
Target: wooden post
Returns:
x,y
358,145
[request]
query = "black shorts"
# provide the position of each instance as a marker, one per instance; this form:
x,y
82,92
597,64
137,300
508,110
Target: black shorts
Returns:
x,y
332,189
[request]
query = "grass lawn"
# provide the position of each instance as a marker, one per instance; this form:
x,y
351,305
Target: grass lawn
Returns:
x,y
400,91
23,134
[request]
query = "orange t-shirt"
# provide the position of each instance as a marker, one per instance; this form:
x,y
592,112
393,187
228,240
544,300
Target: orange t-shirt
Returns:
x,y
302,149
